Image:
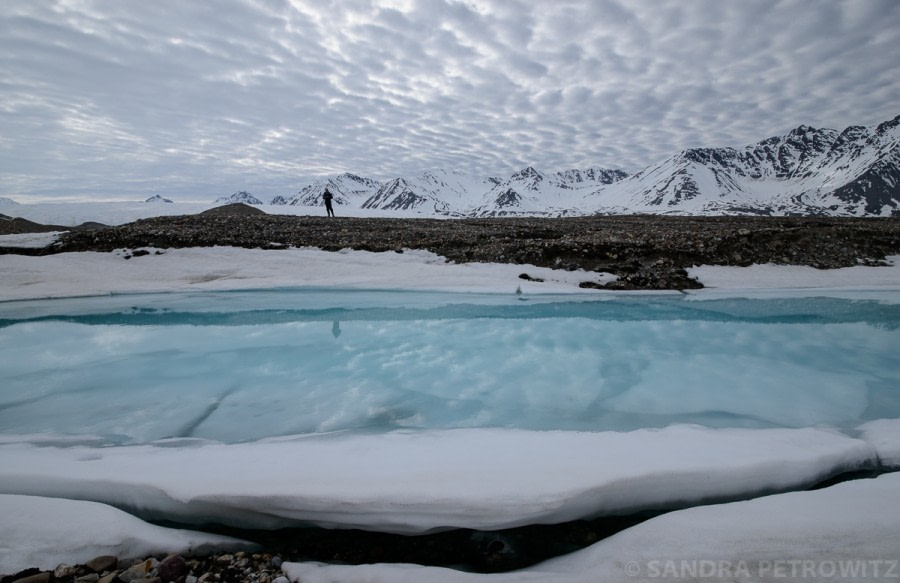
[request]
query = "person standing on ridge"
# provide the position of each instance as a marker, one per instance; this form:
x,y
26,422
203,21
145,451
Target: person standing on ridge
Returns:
x,y
327,196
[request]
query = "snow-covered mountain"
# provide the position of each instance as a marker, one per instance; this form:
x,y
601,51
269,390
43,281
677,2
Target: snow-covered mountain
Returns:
x,y
530,192
157,198
808,171
439,192
348,189
242,196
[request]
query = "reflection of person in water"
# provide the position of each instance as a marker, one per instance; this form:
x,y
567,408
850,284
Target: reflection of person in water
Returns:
x,y
336,329
327,196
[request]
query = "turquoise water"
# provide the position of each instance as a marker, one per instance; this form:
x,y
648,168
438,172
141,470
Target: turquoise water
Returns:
x,y
241,366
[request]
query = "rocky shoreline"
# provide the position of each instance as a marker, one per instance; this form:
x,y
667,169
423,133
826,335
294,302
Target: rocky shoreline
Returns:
x,y
644,251
240,567
464,549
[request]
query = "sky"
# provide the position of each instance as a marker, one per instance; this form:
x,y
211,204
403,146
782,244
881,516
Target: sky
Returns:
x,y
125,99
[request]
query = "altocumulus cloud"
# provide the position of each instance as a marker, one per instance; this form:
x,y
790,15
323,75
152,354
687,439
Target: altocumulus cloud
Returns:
x,y
121,99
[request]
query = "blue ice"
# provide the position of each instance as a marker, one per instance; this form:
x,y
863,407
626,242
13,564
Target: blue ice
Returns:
x,y
242,366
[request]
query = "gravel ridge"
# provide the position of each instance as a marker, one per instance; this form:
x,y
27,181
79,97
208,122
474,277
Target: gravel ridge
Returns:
x,y
240,567
644,251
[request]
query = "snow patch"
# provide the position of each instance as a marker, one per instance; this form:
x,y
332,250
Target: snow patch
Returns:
x,y
44,532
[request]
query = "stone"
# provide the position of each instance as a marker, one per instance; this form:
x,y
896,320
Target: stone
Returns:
x,y
172,567
102,563
108,578
39,578
63,571
139,570
89,578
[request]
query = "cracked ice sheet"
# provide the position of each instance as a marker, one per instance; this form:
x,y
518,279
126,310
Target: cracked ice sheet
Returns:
x,y
840,533
44,532
415,482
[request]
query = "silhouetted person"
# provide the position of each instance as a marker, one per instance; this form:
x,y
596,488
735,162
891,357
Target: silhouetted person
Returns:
x,y
327,196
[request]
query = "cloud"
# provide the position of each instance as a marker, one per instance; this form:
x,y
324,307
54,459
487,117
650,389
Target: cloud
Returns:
x,y
198,99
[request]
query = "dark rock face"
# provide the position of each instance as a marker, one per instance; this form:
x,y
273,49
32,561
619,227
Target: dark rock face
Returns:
x,y
395,195
646,252
508,198
157,198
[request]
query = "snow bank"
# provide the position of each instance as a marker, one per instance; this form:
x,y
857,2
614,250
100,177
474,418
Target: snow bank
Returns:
x,y
769,276
44,532
841,533
29,240
884,435
415,482
228,268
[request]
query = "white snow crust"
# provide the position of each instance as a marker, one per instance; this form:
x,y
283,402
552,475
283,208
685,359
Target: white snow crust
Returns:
x,y
769,276
229,268
884,435
841,533
44,532
29,240
415,482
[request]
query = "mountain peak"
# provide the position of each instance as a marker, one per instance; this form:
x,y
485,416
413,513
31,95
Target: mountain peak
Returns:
x,y
157,198
528,172
802,130
242,196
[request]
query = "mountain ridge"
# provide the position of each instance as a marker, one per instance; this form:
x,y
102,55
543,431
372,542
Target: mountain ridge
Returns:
x,y
805,172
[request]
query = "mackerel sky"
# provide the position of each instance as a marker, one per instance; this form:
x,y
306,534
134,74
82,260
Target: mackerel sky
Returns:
x,y
124,99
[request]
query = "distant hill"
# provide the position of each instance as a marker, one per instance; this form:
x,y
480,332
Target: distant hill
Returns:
x,y
157,198
237,208
17,225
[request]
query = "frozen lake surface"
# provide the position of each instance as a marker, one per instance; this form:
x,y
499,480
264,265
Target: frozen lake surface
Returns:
x,y
243,366
412,412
